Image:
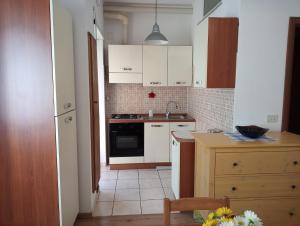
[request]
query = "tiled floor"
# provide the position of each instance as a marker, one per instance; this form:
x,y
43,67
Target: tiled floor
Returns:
x,y
131,192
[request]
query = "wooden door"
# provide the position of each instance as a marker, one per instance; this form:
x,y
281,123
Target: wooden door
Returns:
x,y
291,109
155,69
180,65
94,112
28,170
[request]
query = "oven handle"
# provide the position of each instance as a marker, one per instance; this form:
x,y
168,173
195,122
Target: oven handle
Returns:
x,y
157,126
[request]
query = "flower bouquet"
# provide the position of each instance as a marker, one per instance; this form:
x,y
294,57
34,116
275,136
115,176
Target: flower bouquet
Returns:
x,y
224,217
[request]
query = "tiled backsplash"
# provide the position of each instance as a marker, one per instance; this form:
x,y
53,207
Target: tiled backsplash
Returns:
x,y
212,108
133,98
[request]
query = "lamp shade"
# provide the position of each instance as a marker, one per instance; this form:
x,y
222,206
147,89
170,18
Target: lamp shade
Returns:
x,y
156,38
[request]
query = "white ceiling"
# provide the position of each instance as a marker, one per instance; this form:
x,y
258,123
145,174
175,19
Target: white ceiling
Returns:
x,y
168,2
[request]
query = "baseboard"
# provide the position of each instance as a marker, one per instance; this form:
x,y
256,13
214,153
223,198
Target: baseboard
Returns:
x,y
138,165
84,215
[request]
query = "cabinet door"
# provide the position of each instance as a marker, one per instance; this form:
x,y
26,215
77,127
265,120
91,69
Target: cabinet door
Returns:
x,y
180,65
125,58
68,169
200,54
63,75
155,69
175,146
157,142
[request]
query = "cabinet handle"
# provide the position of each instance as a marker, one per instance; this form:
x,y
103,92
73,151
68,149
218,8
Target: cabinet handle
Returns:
x,y
235,164
127,68
293,187
197,82
67,105
182,125
296,163
68,120
179,83
157,126
155,83
233,188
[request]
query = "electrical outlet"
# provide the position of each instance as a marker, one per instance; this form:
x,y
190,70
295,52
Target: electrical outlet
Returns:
x,y
272,118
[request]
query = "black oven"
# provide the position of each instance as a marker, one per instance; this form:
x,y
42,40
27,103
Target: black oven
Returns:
x,y
126,139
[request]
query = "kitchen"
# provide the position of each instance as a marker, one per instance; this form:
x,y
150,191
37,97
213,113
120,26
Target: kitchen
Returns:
x,y
119,137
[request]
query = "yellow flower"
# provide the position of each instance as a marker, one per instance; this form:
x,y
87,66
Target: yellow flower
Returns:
x,y
210,223
211,216
224,212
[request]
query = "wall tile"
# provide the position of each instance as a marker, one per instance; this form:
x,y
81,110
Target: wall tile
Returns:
x,y
212,108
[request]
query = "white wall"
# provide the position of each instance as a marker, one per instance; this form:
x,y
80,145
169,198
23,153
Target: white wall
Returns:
x,y
82,13
176,27
261,60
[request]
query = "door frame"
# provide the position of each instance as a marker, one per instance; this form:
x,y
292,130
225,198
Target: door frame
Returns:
x,y
293,24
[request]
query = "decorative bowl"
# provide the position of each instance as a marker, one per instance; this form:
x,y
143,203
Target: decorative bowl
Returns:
x,y
252,131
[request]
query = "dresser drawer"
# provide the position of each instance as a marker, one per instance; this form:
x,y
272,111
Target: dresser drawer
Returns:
x,y
257,162
257,186
275,212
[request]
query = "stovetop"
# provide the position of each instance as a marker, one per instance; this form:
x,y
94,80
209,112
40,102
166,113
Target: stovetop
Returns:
x,y
126,116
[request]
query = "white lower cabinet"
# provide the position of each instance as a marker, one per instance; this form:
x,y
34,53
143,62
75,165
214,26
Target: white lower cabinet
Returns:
x,y
180,126
157,142
67,167
175,167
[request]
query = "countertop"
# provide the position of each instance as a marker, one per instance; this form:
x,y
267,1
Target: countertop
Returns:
x,y
156,118
219,140
183,136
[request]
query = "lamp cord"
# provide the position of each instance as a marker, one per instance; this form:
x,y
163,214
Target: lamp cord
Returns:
x,y
156,11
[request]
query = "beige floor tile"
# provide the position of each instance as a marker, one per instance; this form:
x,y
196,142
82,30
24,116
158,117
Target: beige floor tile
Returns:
x,y
109,175
166,182
164,173
128,174
127,195
153,193
107,184
127,183
127,208
103,209
152,207
150,183
106,195
148,174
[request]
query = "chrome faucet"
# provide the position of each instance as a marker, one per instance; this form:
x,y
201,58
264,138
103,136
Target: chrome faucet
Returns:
x,y
167,108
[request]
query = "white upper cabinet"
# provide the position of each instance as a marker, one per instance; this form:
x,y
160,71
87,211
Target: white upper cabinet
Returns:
x,y
200,54
180,65
125,63
63,65
155,69
157,142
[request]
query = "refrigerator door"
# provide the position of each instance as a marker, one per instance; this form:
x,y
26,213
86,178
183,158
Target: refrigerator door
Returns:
x,y
63,60
67,167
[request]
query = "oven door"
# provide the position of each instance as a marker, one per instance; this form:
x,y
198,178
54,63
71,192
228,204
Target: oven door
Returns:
x,y
126,140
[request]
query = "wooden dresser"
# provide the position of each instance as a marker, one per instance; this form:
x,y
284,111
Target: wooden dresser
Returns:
x,y
259,176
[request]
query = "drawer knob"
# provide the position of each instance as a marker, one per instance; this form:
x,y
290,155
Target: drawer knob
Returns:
x,y
235,164
296,163
233,188
291,214
294,187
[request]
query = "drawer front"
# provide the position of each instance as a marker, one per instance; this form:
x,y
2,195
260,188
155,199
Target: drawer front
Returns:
x,y
257,162
182,126
257,186
275,212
